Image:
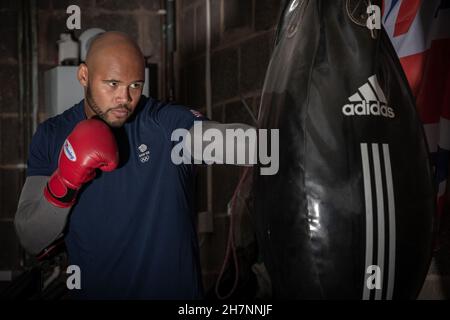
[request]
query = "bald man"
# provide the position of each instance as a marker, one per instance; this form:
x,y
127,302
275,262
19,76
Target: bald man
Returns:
x,y
112,76
128,222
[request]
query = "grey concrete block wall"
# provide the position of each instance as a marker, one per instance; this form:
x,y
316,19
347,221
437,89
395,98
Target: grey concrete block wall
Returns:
x,y
8,17
240,48
225,74
11,145
10,253
195,94
9,196
266,14
10,136
237,14
241,44
9,79
254,53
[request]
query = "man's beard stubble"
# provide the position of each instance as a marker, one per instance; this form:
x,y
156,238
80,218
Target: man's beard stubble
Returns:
x,y
104,115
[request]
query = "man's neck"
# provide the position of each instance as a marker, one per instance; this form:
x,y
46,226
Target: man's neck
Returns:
x,y
87,110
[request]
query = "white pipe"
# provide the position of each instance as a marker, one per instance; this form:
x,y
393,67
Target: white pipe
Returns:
x,y
55,274
13,166
209,175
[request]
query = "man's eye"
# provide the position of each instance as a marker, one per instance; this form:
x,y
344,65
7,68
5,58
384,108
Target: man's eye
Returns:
x,y
136,85
113,84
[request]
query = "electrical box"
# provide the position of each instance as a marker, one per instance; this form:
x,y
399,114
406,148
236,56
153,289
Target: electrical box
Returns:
x,y
62,89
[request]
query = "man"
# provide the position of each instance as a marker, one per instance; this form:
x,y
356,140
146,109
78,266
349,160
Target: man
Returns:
x,y
130,227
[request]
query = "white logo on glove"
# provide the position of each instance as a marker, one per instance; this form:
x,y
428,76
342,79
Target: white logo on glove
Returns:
x,y
69,152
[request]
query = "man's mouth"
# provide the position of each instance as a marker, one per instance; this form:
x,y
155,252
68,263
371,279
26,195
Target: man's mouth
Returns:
x,y
120,112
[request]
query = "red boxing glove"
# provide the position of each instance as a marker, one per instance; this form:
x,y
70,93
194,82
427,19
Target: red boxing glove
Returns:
x,y
91,145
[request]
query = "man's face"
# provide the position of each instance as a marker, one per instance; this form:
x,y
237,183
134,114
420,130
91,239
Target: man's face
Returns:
x,y
114,89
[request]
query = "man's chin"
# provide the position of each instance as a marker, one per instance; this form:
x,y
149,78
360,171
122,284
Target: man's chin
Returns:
x,y
114,122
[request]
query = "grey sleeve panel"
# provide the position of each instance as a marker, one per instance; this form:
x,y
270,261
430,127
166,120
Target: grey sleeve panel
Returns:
x,y
38,223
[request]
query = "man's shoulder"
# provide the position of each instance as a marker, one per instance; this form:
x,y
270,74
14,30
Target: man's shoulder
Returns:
x,y
175,115
65,120
156,107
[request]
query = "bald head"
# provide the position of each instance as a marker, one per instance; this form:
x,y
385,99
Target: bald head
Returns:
x,y
112,76
113,44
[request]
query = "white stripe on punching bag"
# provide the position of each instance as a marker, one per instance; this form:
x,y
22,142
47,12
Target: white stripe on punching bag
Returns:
x,y
382,224
369,216
392,224
380,217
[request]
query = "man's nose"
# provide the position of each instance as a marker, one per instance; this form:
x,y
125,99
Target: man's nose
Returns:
x,y
123,95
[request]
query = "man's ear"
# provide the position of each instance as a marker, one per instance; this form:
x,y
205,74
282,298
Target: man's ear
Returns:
x,y
83,74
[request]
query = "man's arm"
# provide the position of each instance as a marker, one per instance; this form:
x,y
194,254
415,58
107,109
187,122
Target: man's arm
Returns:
x,y
239,140
45,201
38,223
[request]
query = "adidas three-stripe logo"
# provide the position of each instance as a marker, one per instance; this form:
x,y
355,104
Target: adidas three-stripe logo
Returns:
x,y
380,222
370,100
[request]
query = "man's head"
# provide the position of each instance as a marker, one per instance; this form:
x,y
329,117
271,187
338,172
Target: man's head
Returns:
x,y
112,77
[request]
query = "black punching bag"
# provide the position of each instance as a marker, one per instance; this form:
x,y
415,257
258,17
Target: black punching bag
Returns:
x,y
350,213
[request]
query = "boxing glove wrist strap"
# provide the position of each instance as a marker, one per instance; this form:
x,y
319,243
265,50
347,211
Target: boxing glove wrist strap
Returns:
x,y
59,192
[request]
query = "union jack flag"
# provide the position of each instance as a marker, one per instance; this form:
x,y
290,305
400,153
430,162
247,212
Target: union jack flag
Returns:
x,y
420,33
